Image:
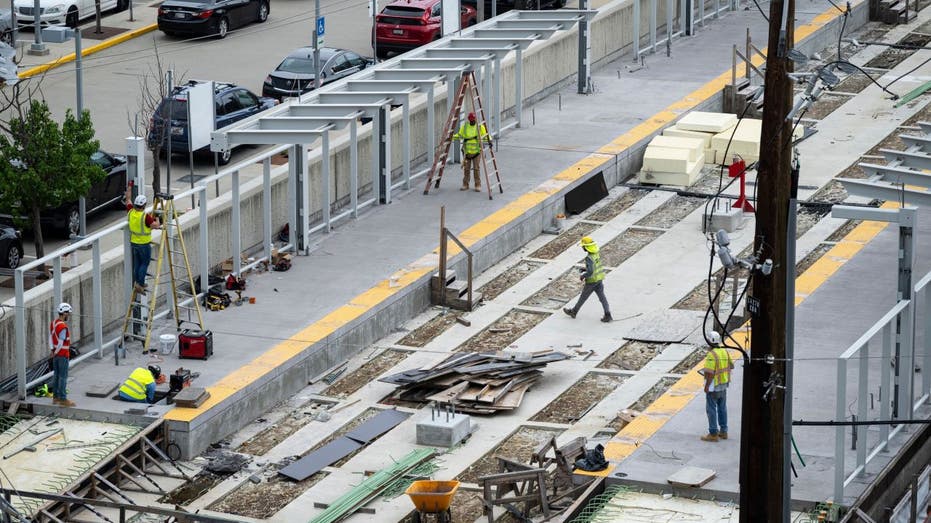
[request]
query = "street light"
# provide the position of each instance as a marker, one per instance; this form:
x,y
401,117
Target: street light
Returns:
x,y
58,35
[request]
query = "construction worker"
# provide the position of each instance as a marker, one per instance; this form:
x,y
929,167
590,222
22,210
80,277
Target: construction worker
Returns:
x,y
717,373
471,135
60,345
140,235
139,387
593,276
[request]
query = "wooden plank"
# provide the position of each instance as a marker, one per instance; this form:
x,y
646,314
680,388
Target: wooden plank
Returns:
x,y
512,399
449,394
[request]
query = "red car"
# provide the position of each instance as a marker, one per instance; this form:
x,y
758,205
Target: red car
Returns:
x,y
406,24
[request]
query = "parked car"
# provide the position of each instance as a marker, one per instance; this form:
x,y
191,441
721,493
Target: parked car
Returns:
x,y
504,6
295,74
209,17
11,247
58,12
231,104
406,24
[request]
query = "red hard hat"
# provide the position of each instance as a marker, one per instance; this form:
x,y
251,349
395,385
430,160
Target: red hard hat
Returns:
x,y
471,116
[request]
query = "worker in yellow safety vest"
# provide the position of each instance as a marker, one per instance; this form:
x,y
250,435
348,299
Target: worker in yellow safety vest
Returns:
x,y
140,385
140,235
717,373
593,275
471,135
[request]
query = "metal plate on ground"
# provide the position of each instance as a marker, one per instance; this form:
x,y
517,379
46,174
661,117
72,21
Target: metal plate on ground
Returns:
x,y
666,326
322,457
378,425
101,390
691,477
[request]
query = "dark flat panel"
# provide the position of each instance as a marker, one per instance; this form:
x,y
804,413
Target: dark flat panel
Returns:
x,y
381,423
322,457
586,194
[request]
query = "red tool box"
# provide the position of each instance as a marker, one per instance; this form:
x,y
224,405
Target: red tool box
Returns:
x,y
195,344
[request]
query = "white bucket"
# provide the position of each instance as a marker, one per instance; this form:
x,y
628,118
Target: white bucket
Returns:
x,y
168,342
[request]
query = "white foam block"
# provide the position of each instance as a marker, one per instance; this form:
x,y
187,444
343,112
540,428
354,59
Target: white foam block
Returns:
x,y
665,159
743,141
685,178
674,130
707,122
694,146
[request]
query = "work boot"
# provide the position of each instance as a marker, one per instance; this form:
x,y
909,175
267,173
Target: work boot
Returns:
x,y
570,312
722,435
710,437
56,401
478,188
139,288
464,188
607,318
66,403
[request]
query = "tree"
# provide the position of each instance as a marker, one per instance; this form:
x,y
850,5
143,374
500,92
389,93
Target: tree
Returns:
x,y
43,164
153,88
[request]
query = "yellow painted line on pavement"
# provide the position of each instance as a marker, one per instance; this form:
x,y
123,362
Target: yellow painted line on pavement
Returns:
x,y
284,351
106,44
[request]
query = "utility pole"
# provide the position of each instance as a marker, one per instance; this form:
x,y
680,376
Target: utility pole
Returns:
x,y
762,438
316,45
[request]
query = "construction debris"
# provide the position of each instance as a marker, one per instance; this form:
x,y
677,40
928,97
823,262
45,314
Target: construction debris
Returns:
x,y
477,383
191,397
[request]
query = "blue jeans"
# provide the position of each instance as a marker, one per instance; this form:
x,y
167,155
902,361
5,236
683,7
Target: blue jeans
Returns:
x,y
142,255
716,408
60,377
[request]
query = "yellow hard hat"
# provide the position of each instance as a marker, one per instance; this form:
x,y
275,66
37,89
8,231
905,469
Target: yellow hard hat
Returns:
x,y
586,241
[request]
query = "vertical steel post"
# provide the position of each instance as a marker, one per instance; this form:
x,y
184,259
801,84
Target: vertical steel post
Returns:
x,y
236,225
79,89
717,7
127,268
862,399
97,296
495,101
452,85
375,143
885,378
519,87
19,287
294,205
653,26
926,375
701,13
56,281
317,45
670,7
431,127
354,168
384,143
840,414
267,207
792,231
583,86
325,181
406,134
203,238
636,39
305,198
902,408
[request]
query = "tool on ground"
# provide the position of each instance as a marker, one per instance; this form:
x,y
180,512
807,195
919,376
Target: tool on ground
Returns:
x,y
467,84
31,446
179,379
172,252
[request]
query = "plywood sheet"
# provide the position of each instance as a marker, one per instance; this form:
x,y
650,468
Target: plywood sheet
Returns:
x,y
322,457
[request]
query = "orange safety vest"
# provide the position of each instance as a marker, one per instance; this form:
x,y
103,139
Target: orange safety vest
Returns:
x,y
59,338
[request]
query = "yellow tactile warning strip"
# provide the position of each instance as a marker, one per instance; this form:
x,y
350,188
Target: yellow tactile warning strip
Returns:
x,y
342,316
106,44
682,392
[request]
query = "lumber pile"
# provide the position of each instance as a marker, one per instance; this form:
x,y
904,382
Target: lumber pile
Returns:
x,y
476,383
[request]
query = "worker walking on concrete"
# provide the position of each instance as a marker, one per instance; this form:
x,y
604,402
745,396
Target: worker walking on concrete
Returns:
x,y
139,387
60,345
593,276
471,135
717,372
140,235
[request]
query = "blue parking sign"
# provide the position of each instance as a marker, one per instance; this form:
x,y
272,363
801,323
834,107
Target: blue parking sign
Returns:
x,y
321,30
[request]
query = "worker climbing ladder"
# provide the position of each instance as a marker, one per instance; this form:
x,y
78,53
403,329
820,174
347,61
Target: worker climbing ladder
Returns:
x,y
467,86
170,251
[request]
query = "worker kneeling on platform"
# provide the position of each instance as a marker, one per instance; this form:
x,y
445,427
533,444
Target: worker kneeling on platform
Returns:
x,y
139,387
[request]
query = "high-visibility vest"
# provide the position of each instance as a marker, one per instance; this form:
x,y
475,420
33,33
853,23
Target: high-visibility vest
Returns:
x,y
135,384
598,272
139,232
718,365
469,134
59,338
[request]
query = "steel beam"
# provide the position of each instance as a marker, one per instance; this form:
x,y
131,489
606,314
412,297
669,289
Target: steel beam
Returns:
x,y
915,160
354,169
461,64
876,214
564,15
325,181
430,74
542,25
538,34
925,127
459,52
97,294
880,191
491,44
393,86
334,110
236,224
272,137
917,141
897,174
346,97
305,123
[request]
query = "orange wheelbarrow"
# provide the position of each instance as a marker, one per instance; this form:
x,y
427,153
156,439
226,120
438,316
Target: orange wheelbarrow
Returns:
x,y
433,497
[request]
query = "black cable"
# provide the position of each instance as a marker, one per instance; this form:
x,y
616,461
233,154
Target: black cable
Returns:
x,y
760,9
910,71
842,27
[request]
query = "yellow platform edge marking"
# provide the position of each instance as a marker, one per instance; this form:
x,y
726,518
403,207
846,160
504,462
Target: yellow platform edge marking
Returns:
x,y
289,348
106,44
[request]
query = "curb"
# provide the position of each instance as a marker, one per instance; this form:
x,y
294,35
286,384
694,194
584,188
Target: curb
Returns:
x,y
106,44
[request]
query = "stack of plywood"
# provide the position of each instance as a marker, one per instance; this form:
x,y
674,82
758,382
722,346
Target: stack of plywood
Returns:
x,y
478,383
673,160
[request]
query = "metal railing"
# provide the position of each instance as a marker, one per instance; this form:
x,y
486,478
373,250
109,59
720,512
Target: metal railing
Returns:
x,y
683,17
893,378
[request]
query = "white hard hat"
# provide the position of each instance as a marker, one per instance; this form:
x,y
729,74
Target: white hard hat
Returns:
x,y
63,308
714,338
140,201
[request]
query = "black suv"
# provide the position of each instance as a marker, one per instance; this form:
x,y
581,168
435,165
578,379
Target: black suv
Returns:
x,y
231,104
11,247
